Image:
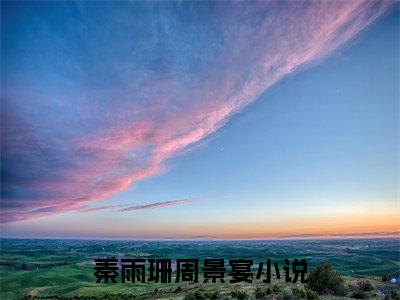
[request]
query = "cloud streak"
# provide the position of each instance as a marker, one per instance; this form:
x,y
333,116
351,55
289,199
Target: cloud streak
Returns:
x,y
97,96
156,205
125,208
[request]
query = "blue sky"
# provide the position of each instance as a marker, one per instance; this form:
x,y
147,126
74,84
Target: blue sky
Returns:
x,y
249,130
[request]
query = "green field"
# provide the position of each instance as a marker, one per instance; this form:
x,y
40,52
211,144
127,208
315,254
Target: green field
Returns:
x,y
57,269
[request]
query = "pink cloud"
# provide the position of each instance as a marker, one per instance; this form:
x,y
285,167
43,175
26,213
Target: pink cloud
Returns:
x,y
131,140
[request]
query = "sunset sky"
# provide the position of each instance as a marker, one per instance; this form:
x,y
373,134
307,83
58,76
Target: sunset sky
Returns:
x,y
199,120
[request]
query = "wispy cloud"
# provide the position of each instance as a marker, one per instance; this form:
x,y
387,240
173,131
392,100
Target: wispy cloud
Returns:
x,y
96,208
125,208
156,205
110,101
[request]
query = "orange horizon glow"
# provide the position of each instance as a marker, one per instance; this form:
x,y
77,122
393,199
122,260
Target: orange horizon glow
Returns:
x,y
350,225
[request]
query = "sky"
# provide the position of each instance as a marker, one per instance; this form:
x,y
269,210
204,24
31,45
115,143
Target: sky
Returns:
x,y
199,120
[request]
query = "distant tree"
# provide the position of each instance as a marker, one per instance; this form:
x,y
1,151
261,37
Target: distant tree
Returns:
x,y
324,280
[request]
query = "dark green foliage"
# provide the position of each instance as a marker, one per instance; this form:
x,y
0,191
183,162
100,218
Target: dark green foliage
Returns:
x,y
299,293
189,296
242,295
395,295
359,294
276,289
214,295
199,295
269,291
365,285
260,293
310,294
178,289
324,280
359,291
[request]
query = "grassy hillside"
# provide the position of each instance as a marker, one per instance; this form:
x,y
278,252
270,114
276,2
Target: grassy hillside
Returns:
x,y
64,269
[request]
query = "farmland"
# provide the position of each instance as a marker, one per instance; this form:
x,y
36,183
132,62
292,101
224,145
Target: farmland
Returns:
x,y
64,268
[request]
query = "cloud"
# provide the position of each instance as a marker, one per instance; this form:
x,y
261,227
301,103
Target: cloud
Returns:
x,y
86,209
97,96
156,205
124,208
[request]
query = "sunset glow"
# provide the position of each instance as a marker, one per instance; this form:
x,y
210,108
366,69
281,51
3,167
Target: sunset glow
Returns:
x,y
200,120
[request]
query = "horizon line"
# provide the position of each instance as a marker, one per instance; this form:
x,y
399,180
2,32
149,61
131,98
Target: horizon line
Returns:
x,y
391,235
